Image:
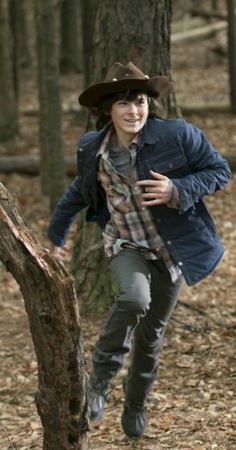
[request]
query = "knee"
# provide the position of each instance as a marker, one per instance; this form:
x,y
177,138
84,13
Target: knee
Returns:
x,y
135,301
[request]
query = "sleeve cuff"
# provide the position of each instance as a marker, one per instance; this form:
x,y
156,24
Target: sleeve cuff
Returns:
x,y
174,199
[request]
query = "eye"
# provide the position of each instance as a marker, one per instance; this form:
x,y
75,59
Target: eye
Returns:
x,y
140,101
122,102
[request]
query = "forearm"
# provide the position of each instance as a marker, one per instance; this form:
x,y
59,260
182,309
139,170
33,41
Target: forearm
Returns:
x,y
65,213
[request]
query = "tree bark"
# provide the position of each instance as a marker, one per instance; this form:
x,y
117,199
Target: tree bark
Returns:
x,y
88,10
8,102
53,314
232,52
142,35
51,146
71,36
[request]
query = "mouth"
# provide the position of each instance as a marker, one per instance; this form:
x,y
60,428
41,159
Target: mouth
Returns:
x,y
131,120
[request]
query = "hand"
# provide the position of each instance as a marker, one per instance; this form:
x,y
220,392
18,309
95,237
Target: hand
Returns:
x,y
157,191
60,252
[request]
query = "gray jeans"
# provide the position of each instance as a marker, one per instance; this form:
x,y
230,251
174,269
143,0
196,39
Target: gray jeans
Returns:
x,y
145,301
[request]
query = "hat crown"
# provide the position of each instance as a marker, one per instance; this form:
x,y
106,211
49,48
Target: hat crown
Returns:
x,y
119,72
120,78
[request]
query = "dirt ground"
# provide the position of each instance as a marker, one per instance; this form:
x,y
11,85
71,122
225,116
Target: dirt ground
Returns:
x,y
192,405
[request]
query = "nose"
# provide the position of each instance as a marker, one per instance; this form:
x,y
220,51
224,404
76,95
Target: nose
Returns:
x,y
132,107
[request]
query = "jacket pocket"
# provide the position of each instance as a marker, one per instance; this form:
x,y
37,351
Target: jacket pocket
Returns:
x,y
173,165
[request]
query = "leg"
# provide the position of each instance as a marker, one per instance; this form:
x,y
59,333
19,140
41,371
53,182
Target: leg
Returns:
x,y
148,338
132,273
149,334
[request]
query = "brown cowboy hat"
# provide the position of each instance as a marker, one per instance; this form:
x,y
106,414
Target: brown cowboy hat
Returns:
x,y
121,78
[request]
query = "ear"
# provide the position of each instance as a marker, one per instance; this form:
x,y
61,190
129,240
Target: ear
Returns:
x,y
107,113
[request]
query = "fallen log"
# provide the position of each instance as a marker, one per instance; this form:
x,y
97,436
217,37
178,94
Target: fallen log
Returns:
x,y
198,33
52,308
209,14
70,108
29,165
204,108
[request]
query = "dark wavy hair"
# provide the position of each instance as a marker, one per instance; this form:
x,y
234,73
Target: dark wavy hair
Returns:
x,y
100,112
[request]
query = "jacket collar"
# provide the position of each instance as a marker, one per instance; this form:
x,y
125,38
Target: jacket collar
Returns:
x,y
149,133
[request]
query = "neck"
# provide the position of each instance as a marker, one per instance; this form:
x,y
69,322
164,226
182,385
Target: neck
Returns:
x,y
124,140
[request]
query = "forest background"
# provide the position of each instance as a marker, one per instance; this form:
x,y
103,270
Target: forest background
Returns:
x,y
192,404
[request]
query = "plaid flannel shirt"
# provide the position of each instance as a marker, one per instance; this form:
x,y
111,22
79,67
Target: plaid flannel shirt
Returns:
x,y
131,224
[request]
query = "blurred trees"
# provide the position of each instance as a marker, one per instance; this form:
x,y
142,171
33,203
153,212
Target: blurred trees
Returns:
x,y
232,51
71,35
8,97
51,148
88,11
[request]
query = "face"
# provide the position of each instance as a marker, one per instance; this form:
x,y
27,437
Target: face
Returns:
x,y
129,117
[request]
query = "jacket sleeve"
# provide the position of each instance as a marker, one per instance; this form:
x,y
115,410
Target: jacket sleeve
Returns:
x,y
66,211
209,170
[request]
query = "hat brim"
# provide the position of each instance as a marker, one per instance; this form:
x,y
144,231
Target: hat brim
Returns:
x,y
158,87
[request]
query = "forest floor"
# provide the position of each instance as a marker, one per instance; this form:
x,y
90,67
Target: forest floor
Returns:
x,y
192,404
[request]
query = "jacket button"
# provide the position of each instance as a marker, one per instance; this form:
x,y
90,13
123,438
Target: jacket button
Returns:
x,y
169,242
180,263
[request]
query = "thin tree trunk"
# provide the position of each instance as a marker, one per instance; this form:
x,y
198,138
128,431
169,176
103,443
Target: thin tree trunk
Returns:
x,y
71,37
53,314
88,11
232,52
14,9
8,102
51,146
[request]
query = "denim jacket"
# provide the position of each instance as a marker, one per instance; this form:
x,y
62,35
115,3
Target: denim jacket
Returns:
x,y
180,151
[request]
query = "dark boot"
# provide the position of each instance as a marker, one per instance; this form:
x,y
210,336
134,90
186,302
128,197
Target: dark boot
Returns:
x,y
97,396
134,417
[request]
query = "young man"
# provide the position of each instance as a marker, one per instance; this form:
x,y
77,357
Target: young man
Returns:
x,y
143,179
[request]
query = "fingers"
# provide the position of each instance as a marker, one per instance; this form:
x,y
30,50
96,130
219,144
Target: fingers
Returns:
x,y
157,177
156,191
60,252
150,183
161,195
151,199
157,201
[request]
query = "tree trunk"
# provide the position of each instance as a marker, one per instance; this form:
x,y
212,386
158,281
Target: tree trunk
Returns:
x,y
71,37
51,147
8,102
14,9
53,314
232,52
142,34
20,23
93,281
88,10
